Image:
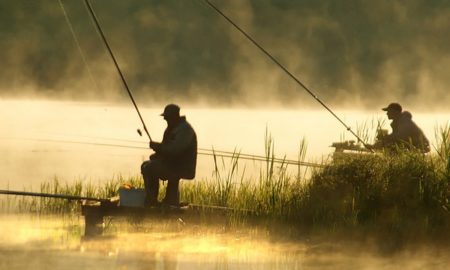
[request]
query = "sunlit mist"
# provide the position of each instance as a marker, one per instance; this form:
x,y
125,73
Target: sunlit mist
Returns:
x,y
268,86
54,243
95,141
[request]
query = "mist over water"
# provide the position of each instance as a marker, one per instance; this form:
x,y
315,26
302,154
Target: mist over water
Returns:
x,y
349,55
357,56
41,140
46,242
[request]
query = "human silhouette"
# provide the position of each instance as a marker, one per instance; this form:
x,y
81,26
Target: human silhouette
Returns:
x,y
174,158
405,132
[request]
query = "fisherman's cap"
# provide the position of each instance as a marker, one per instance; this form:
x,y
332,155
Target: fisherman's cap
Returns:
x,y
171,110
393,107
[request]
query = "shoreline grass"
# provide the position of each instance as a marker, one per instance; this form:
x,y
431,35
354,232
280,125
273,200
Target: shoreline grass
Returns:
x,y
405,195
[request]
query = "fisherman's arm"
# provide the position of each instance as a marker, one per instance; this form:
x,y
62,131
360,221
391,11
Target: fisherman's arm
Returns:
x,y
389,140
181,141
155,146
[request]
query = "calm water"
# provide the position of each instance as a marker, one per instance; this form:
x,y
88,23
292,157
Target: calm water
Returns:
x,y
28,158
39,242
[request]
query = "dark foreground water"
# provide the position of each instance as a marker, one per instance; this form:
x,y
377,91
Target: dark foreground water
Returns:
x,y
42,242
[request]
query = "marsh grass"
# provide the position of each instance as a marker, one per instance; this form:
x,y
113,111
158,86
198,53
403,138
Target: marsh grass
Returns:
x,y
404,194
43,205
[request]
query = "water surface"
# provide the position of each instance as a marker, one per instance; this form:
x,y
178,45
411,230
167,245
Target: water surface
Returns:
x,y
45,242
28,158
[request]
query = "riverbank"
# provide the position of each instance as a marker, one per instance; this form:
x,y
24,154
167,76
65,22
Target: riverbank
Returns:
x,y
392,199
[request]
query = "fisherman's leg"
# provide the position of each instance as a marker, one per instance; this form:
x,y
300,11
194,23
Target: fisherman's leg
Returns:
x,y
149,170
172,192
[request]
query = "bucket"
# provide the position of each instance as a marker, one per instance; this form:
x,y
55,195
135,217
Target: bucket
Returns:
x,y
134,197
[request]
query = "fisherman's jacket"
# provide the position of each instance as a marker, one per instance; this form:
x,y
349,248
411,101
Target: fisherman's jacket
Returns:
x,y
407,134
178,149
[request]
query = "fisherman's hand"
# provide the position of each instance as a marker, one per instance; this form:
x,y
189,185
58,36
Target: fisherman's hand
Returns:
x,y
155,146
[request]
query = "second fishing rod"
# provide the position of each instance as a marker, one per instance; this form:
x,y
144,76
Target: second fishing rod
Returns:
x,y
261,48
122,77
97,24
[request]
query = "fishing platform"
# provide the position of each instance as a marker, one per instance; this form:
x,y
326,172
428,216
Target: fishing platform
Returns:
x,y
94,213
129,203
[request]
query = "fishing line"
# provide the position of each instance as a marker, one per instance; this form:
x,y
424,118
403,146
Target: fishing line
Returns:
x,y
286,71
80,50
102,35
210,150
202,151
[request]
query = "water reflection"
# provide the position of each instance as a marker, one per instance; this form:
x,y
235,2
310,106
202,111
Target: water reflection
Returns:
x,y
40,242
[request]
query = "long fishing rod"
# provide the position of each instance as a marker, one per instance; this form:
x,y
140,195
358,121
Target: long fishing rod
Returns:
x,y
97,24
49,195
211,151
286,71
108,201
202,151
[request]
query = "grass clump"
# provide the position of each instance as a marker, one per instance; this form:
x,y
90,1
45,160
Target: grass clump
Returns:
x,y
405,193
43,205
402,195
379,190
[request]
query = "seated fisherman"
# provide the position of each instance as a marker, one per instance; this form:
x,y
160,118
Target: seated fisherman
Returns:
x,y
174,158
405,133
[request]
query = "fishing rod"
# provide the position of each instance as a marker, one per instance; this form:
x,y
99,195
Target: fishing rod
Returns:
x,y
108,202
100,31
264,159
211,151
49,195
202,151
287,72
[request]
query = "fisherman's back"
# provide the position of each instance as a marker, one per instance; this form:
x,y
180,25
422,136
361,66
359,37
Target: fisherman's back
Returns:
x,y
179,149
406,134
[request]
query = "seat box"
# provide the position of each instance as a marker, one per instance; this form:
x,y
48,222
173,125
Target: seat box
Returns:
x,y
134,197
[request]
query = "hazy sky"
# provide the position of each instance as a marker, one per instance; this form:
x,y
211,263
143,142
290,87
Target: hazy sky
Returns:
x,y
349,52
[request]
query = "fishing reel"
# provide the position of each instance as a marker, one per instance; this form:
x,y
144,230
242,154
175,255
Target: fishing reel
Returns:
x,y
348,145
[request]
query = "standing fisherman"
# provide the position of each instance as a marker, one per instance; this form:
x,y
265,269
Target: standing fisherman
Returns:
x,y
174,158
